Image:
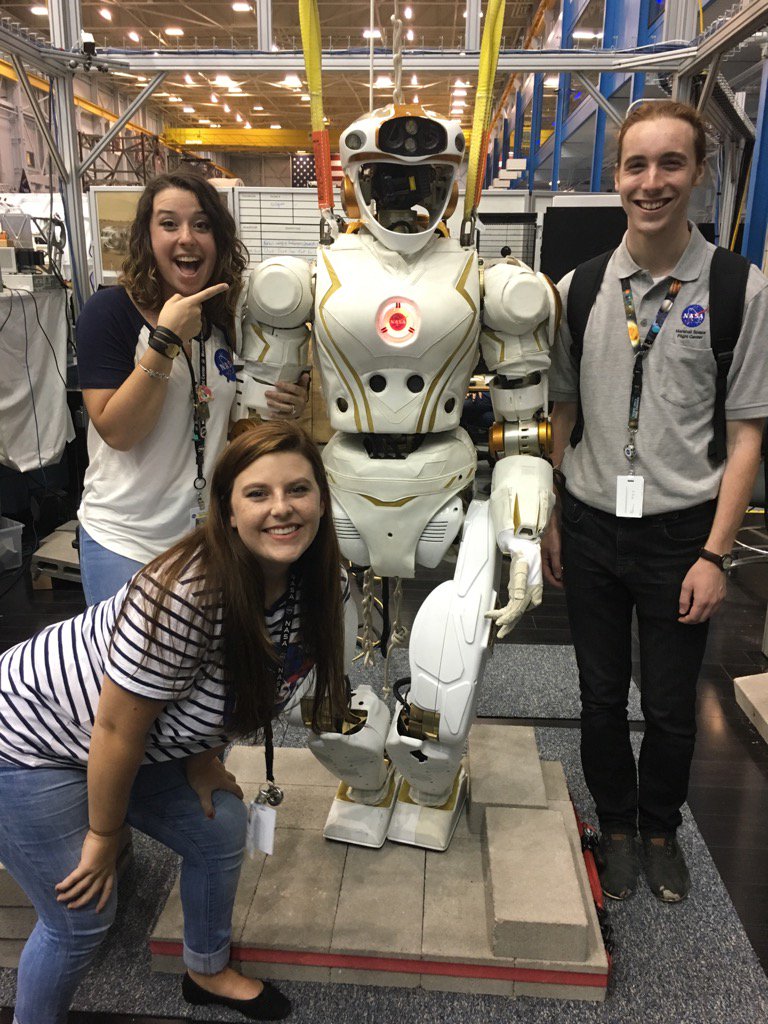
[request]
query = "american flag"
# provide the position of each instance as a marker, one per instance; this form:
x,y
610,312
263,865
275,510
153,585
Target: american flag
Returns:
x,y
303,171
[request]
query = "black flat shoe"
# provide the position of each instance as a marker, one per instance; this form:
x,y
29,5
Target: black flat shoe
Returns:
x,y
269,1005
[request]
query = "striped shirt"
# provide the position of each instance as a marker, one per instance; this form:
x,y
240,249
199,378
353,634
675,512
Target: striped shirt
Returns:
x,y
50,684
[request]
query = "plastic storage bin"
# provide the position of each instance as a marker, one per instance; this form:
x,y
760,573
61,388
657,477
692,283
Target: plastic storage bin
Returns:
x,y
10,543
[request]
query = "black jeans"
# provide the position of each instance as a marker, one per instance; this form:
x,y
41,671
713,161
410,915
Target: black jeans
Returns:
x,y
611,566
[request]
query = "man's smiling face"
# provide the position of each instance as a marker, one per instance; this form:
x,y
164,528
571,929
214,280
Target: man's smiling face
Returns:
x,y
656,175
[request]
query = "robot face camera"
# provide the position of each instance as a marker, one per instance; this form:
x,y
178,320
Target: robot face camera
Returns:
x,y
408,200
401,163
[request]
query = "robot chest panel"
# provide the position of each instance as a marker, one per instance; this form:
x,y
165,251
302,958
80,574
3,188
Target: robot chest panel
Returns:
x,y
397,315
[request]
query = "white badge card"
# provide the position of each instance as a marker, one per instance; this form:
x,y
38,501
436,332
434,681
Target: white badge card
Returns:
x,y
261,828
197,516
629,496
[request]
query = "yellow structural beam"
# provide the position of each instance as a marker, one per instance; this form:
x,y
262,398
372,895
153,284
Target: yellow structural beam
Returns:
x,y
243,138
276,139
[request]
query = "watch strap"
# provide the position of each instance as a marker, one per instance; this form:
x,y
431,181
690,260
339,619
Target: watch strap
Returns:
x,y
723,562
165,341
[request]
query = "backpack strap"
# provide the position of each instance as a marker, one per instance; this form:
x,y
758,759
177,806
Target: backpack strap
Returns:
x,y
727,290
582,293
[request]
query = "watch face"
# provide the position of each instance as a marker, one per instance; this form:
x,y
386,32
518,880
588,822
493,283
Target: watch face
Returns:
x,y
726,562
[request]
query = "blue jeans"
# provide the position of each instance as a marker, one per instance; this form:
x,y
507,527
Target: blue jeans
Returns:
x,y
102,572
43,822
611,566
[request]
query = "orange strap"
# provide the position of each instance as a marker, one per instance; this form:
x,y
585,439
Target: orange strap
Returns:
x,y
321,144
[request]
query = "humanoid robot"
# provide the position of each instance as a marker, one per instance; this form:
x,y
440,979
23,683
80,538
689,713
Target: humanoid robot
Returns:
x,y
400,311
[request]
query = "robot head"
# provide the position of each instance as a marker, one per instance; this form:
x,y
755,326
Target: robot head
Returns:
x,y
400,165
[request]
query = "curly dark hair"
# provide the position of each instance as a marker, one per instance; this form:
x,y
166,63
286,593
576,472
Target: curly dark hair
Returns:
x,y
139,275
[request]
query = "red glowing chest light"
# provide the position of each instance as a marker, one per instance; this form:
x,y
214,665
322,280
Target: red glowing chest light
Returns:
x,y
397,321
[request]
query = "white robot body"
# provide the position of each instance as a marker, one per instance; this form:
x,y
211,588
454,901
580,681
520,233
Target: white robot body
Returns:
x,y
449,642
275,335
396,512
396,339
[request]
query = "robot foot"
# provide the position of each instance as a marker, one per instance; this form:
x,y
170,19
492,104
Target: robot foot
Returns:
x,y
362,824
429,827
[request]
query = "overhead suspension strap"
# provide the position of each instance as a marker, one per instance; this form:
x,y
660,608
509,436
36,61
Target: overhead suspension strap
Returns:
x,y
481,118
311,44
397,55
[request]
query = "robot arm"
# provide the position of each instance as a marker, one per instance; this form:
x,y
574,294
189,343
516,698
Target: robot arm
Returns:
x,y
521,316
275,335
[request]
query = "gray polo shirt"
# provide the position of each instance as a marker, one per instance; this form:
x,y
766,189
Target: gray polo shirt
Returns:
x,y
677,405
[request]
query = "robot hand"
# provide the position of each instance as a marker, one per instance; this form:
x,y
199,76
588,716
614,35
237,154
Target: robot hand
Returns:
x,y
525,584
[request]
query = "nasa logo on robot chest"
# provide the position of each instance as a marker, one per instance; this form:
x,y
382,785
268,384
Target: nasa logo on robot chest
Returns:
x,y
224,364
398,321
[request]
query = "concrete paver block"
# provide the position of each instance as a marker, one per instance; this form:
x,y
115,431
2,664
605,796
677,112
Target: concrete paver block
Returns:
x,y
380,903
10,951
454,904
293,766
476,986
310,869
504,769
555,784
751,694
388,979
543,991
17,922
534,898
11,893
285,972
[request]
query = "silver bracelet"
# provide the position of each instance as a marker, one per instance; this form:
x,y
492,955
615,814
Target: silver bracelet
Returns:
x,y
154,374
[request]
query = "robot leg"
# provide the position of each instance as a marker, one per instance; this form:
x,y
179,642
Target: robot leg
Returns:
x,y
353,750
448,648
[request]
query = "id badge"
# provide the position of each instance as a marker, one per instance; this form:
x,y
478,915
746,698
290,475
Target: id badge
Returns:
x,y
262,820
197,517
629,496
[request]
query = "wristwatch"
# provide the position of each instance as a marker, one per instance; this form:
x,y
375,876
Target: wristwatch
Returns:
x,y
723,562
164,341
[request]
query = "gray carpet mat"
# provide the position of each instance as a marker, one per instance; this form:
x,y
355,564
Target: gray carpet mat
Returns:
x,y
520,681
686,964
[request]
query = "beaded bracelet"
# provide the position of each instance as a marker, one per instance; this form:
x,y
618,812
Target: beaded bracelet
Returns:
x,y
106,835
154,374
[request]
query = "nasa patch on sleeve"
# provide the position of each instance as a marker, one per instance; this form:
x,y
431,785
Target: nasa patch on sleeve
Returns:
x,y
693,316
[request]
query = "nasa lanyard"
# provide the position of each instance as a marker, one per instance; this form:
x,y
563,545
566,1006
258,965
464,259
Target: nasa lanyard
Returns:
x,y
641,349
270,792
201,395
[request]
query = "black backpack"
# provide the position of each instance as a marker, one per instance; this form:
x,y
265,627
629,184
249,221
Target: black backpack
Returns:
x,y
727,288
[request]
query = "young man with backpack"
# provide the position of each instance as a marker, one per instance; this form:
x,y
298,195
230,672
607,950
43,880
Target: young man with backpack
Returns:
x,y
660,383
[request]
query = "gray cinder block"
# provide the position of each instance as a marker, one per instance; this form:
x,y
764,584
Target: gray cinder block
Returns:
x,y
504,769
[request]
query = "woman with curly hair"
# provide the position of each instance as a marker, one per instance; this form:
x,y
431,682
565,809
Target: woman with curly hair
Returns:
x,y
156,369
119,715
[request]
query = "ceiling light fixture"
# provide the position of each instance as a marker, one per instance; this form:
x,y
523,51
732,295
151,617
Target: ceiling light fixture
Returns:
x,y
188,110
247,124
257,108
553,82
305,98
203,120
383,82
371,33
459,92
292,82
239,118
241,7
105,13
41,12
227,108
409,35
174,31
415,99
134,37
414,79
214,98
408,13
275,126
189,79
174,99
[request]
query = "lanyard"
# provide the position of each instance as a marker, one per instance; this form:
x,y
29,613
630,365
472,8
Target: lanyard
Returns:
x,y
641,349
285,637
201,395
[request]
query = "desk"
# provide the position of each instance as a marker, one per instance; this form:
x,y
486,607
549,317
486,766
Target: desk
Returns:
x,y
35,423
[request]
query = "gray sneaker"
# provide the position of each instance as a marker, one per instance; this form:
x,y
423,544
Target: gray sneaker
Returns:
x,y
665,868
618,864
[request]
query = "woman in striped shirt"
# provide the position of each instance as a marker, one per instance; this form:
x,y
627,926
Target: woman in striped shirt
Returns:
x,y
119,715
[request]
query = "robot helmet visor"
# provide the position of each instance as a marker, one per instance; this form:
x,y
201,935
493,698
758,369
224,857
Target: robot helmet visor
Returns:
x,y
406,198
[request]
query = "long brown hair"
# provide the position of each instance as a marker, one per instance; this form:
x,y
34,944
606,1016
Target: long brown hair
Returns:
x,y
652,110
232,576
139,275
